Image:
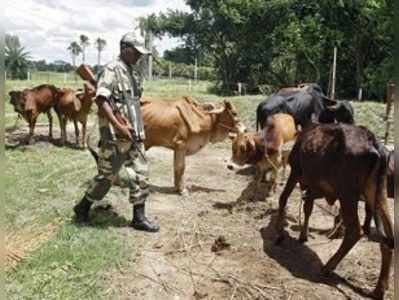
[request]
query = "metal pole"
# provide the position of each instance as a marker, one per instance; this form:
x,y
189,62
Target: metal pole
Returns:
x,y
334,74
195,70
170,71
360,95
150,56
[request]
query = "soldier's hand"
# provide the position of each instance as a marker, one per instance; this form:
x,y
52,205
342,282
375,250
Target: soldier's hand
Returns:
x,y
126,131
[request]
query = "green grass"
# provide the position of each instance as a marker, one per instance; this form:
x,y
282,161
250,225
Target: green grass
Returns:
x,y
71,266
42,183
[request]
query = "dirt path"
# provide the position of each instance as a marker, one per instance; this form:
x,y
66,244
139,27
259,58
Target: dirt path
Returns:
x,y
182,262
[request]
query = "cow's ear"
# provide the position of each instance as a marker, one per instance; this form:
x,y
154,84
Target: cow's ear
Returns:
x,y
217,110
11,93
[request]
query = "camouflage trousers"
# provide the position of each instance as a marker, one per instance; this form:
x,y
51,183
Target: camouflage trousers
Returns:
x,y
114,156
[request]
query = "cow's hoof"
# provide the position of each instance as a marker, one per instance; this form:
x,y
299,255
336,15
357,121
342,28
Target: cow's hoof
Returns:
x,y
326,271
230,167
184,193
366,230
302,239
377,294
279,239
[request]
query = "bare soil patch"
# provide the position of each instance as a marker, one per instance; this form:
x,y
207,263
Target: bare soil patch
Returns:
x,y
180,262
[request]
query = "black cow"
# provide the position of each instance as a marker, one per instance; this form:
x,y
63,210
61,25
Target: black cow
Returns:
x,y
304,104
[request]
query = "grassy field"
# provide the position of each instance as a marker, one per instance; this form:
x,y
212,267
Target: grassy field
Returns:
x,y
53,257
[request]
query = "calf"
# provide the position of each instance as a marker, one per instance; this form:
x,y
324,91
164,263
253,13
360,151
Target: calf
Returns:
x,y
76,107
267,150
29,103
345,162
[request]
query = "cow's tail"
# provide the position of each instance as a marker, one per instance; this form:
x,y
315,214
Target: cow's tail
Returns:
x,y
381,185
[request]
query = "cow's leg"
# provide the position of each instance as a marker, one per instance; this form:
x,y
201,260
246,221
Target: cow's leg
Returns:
x,y
386,247
285,163
63,125
32,124
84,123
50,124
307,208
289,187
179,165
367,220
273,180
75,124
352,233
59,115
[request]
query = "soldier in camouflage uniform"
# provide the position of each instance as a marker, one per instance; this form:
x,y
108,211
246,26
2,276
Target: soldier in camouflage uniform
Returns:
x,y
122,135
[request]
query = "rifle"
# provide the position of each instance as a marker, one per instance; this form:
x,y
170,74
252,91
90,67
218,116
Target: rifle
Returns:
x,y
86,74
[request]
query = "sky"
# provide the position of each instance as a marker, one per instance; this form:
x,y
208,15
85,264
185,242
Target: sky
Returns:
x,y
47,27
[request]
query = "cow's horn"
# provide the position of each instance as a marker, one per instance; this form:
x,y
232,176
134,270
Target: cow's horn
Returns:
x,y
217,110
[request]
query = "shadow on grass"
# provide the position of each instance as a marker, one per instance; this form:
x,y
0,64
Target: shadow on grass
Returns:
x,y
301,261
19,142
103,218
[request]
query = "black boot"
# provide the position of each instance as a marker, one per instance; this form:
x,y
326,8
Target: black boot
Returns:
x,y
82,210
140,222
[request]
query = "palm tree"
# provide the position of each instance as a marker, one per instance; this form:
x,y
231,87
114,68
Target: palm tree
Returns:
x,y
100,45
84,42
75,49
16,58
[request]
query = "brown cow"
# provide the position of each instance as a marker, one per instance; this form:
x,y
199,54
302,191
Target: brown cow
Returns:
x,y
76,107
31,102
249,147
185,127
344,162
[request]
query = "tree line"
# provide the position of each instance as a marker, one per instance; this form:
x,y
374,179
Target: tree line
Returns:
x,y
18,60
285,42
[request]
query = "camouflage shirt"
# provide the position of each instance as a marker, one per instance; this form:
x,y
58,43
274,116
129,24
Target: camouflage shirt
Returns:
x,y
116,76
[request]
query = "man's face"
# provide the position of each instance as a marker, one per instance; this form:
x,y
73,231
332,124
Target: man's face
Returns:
x,y
131,55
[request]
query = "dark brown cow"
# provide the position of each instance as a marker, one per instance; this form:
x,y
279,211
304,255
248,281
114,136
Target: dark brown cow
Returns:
x,y
29,103
344,162
76,107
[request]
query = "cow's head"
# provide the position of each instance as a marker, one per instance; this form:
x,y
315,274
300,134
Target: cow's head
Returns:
x,y
226,122
243,148
341,111
17,100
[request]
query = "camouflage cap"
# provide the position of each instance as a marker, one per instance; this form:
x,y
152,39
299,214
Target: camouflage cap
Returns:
x,y
130,40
